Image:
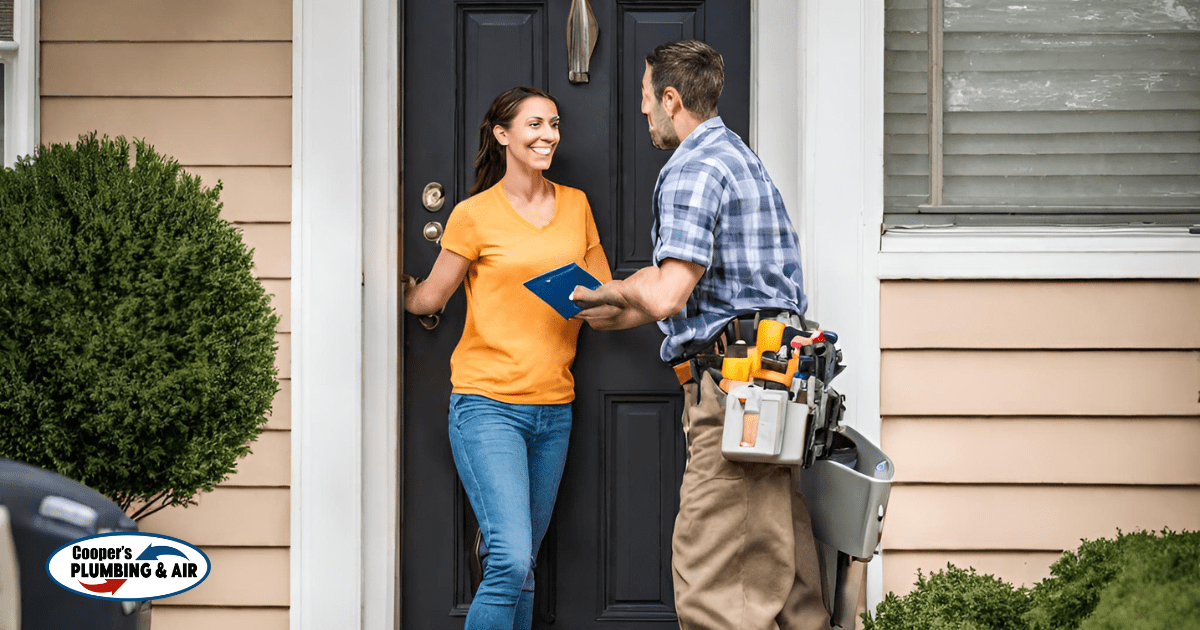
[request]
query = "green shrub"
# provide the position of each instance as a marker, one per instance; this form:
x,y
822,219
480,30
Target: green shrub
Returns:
x,y
136,346
953,599
1157,588
1076,580
1139,581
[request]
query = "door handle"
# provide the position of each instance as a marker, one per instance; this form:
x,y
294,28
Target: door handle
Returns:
x,y
582,31
429,322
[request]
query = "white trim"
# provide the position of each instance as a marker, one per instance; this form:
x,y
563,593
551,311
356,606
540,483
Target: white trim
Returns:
x,y
21,111
327,291
1041,239
872,33
774,98
381,316
819,130
1039,266
1040,253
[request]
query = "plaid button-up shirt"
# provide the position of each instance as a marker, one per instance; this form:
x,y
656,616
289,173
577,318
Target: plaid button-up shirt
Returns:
x,y
715,206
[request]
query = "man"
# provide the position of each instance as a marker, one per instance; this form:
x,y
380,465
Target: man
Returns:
x,y
725,253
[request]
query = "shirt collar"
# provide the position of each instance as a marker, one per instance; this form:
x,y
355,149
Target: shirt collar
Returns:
x,y
698,137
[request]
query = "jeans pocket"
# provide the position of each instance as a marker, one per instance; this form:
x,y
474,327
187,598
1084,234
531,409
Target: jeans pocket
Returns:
x,y
463,407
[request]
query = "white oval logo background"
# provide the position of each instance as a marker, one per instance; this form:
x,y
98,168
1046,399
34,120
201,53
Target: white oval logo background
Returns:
x,y
128,566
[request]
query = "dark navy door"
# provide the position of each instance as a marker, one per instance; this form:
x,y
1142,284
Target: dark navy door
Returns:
x,y
606,560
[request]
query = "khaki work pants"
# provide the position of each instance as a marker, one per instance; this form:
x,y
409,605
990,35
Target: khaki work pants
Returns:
x,y
743,553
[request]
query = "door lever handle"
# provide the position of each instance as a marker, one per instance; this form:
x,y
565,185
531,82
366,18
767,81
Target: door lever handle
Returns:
x,y
429,322
582,31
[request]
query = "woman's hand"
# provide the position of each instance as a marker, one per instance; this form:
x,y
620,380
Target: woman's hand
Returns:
x,y
430,296
409,282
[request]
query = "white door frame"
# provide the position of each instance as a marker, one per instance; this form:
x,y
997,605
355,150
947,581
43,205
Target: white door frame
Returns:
x,y
817,124
22,122
821,97
346,333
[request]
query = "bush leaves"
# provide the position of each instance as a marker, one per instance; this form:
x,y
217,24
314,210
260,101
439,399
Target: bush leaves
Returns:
x,y
1138,581
136,346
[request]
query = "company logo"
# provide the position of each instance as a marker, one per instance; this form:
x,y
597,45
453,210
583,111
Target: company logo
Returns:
x,y
128,566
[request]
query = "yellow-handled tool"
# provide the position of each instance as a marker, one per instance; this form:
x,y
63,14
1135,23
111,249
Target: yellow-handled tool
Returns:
x,y
768,365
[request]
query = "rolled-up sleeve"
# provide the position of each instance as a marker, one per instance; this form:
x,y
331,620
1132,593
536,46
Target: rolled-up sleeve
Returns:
x,y
688,203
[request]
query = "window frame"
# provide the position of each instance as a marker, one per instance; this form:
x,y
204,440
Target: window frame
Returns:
x,y
1024,252
20,58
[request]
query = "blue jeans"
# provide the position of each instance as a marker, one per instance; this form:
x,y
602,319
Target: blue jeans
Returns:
x,y
510,458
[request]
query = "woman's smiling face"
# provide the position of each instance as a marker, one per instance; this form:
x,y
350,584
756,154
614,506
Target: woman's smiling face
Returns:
x,y
532,137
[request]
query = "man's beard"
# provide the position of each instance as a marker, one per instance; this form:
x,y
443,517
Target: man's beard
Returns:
x,y
662,132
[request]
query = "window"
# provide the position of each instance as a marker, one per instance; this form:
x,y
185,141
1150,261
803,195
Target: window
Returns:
x,y
18,78
8,49
1044,112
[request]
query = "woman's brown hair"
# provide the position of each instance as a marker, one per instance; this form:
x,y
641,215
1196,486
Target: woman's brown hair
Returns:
x,y
490,162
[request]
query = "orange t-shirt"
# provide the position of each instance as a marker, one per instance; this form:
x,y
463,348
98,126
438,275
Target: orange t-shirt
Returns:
x,y
514,347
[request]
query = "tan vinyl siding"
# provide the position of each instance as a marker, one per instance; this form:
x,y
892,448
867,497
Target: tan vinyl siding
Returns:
x,y
1046,450
251,194
272,244
961,517
283,356
167,69
280,417
281,301
195,131
1017,567
229,516
1035,382
166,20
1024,416
209,84
198,618
1041,315
270,466
241,576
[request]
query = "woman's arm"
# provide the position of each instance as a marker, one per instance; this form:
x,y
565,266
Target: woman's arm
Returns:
x,y
428,297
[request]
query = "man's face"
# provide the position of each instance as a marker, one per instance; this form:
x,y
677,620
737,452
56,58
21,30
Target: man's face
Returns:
x,y
662,130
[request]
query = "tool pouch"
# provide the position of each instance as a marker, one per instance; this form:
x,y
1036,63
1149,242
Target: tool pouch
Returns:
x,y
762,425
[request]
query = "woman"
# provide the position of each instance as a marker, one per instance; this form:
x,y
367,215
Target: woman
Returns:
x,y
510,408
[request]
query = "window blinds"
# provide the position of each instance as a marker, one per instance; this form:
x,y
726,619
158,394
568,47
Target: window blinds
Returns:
x,y
1051,111
6,20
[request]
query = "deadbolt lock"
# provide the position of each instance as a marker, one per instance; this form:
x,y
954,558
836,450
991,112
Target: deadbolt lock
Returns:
x,y
434,196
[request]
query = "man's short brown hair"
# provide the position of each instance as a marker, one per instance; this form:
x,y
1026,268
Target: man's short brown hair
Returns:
x,y
694,69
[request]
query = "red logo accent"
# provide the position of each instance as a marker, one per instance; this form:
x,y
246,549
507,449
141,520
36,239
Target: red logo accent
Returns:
x,y
109,586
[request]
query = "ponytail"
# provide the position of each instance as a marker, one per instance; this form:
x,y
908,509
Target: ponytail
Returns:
x,y
491,162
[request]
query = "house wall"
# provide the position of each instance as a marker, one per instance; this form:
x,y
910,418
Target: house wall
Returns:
x,y
1024,416
210,84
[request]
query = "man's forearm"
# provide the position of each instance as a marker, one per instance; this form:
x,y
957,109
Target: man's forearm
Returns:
x,y
650,294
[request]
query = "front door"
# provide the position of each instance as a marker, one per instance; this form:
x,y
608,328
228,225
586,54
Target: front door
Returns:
x,y
605,562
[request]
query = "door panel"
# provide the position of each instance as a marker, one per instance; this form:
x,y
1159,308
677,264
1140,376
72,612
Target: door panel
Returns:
x,y
606,559
641,30
515,28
